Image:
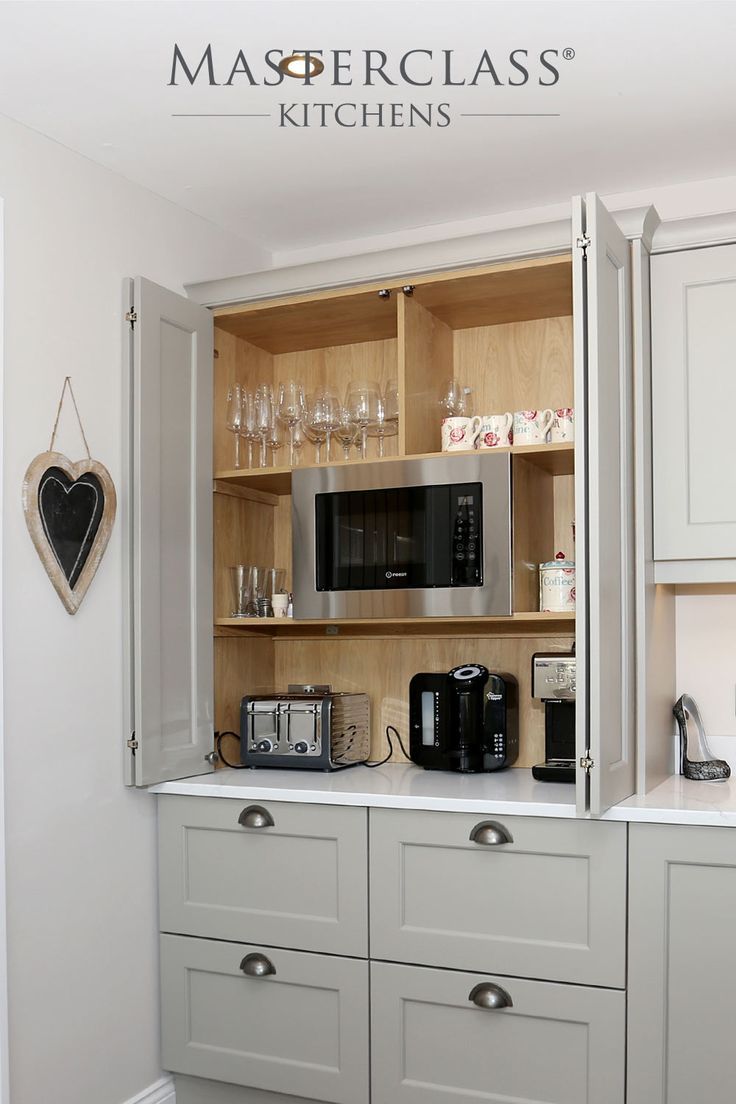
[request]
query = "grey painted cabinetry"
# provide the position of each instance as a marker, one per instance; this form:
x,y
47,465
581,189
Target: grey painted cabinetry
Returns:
x,y
693,394
682,965
267,983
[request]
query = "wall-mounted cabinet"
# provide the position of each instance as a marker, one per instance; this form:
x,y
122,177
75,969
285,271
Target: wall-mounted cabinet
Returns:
x,y
550,331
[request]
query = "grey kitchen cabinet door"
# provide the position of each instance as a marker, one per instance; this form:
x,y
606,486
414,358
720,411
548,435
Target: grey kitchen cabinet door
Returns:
x,y
300,1026
682,964
300,881
604,509
432,1044
550,903
694,395
167,510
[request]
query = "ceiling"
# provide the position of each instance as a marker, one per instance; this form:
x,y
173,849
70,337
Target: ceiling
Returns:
x,y
647,100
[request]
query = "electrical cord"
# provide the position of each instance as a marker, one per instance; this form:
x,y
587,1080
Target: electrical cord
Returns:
x,y
389,728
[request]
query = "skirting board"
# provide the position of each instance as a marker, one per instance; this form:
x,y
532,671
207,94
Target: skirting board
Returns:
x,y
160,1092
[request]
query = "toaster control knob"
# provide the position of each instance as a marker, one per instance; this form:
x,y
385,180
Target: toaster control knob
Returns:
x,y
264,745
302,747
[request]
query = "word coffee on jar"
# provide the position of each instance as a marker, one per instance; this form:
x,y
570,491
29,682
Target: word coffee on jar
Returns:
x,y
557,585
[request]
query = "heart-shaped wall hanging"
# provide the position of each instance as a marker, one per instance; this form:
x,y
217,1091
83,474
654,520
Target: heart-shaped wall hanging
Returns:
x,y
69,510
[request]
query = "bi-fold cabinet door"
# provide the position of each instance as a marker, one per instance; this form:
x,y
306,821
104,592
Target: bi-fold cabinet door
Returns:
x,y
445,1037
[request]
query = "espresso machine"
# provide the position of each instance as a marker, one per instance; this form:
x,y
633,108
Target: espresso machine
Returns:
x,y
553,682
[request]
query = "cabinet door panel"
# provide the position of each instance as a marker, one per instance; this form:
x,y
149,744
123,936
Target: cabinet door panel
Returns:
x,y
682,956
549,904
557,1044
300,882
694,396
168,543
302,1029
604,508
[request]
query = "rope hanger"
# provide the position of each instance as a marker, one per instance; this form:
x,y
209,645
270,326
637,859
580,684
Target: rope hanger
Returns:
x,y
68,383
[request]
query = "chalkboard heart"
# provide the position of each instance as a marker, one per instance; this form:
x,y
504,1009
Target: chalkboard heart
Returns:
x,y
69,509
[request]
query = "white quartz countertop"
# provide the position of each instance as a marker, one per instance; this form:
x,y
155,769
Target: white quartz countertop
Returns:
x,y
397,786
511,792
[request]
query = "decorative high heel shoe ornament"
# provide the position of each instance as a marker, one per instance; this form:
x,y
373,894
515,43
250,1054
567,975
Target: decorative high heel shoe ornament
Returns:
x,y
703,767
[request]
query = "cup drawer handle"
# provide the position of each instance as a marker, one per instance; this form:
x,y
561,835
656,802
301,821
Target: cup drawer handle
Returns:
x,y
257,965
489,833
488,995
255,816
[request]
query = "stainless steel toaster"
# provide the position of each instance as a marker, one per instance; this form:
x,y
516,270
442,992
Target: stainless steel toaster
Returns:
x,y
310,728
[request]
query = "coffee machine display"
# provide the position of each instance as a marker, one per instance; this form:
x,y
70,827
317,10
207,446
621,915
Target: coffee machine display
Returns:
x,y
553,682
464,720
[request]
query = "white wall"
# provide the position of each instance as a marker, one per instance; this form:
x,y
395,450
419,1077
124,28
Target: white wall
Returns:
x,y
80,848
706,660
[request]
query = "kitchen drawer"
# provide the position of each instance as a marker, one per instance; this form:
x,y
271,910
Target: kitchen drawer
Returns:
x,y
556,1044
299,882
302,1029
549,903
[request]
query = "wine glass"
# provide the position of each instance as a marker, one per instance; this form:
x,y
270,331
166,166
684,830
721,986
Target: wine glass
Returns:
x,y
233,417
263,402
291,410
361,399
248,428
384,426
454,398
275,435
321,418
346,432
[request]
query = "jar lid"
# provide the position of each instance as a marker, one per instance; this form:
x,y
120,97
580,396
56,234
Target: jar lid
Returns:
x,y
558,561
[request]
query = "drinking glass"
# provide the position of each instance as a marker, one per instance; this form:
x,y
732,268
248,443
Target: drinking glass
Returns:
x,y
383,427
362,400
275,579
233,417
454,398
275,434
322,416
291,410
297,444
241,580
263,415
248,428
346,432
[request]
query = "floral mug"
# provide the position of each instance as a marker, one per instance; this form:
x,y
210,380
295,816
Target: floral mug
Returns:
x,y
531,426
563,426
459,433
495,430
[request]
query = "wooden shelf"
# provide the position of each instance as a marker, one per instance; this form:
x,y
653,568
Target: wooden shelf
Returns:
x,y
518,624
555,459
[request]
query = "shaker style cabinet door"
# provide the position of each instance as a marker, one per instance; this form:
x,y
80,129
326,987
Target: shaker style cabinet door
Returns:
x,y
281,874
168,536
604,509
530,896
443,1037
682,964
282,1021
693,403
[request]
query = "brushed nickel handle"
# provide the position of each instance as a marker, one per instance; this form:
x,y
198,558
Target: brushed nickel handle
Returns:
x,y
490,833
257,965
255,816
488,995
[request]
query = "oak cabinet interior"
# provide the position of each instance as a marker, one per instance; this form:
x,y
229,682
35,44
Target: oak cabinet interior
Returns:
x,y
503,330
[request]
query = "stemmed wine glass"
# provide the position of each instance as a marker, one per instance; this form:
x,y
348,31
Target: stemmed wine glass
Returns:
x,y
361,400
387,421
248,429
233,417
291,410
346,432
263,403
454,398
275,435
322,416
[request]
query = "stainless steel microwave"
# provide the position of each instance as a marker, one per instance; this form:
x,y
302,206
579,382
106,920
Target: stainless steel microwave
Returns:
x,y
403,538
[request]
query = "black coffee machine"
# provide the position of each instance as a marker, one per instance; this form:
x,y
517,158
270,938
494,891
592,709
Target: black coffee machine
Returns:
x,y
553,682
464,720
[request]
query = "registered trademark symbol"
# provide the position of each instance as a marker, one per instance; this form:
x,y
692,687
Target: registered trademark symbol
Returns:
x,y
568,53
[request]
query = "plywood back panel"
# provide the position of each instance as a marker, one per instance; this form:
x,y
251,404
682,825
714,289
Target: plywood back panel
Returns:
x,y
382,667
242,665
243,534
236,362
517,366
534,527
564,495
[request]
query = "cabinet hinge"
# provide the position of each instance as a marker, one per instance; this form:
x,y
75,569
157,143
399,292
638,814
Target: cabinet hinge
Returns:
x,y
583,243
131,316
587,764
132,743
